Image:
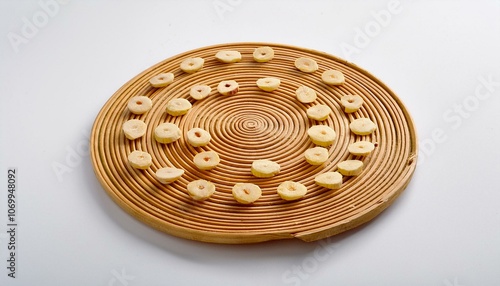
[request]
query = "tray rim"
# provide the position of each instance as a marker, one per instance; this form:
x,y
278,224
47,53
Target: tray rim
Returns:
x,y
253,236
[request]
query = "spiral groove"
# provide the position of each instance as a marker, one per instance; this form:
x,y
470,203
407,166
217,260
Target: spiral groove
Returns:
x,y
252,125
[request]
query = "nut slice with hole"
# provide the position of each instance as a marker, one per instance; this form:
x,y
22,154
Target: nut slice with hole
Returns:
x,y
162,79
206,160
140,160
167,133
351,102
333,77
268,83
246,193
263,54
264,168
228,56
290,191
178,106
306,65
362,126
200,91
361,148
200,190
134,128
319,112
228,87
139,104
198,137
316,155
329,180
192,65
322,135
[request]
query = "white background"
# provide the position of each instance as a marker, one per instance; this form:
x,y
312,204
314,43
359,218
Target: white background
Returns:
x,y
55,77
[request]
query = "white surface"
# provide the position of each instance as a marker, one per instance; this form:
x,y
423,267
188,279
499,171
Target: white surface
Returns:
x,y
443,230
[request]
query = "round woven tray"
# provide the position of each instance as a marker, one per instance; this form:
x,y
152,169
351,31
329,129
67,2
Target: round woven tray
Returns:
x,y
251,125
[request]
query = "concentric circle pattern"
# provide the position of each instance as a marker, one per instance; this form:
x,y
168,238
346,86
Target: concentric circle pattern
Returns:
x,y
251,125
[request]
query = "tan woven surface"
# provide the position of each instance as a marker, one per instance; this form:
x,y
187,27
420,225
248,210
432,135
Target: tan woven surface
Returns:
x,y
251,125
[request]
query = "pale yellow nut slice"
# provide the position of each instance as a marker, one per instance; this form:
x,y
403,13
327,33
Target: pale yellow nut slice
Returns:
x,y
140,160
319,112
362,126
168,175
200,190
264,168
351,102
333,77
350,167
167,133
139,104
228,87
268,83
290,191
206,160
178,106
228,56
197,137
246,193
316,155
134,128
361,148
162,79
263,54
307,65
200,91
329,180
305,94
192,65
322,135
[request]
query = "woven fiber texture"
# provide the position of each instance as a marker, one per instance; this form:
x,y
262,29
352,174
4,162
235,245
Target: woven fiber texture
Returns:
x,y
250,125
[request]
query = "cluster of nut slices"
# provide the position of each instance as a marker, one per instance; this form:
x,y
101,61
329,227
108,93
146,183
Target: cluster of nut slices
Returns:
x,y
322,136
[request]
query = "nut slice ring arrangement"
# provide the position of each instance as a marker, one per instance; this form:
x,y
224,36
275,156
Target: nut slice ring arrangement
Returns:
x,y
375,145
